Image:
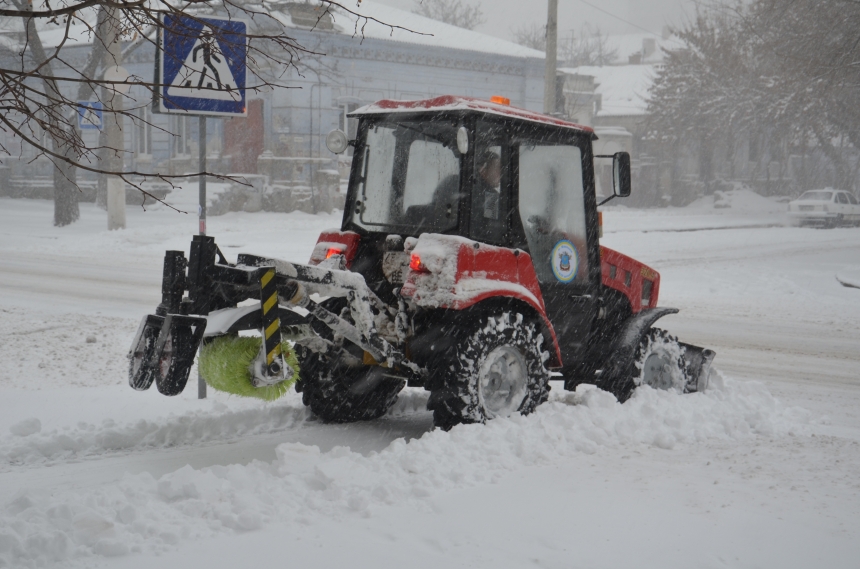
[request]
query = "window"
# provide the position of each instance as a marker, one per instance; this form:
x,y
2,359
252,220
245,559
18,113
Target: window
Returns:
x,y
144,130
817,195
842,198
180,128
430,164
851,199
490,197
410,177
553,212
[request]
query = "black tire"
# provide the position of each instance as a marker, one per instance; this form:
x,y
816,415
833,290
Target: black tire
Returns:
x,y
174,365
659,362
464,372
338,394
141,375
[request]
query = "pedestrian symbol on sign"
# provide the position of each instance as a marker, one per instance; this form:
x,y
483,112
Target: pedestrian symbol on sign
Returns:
x,y
205,75
90,115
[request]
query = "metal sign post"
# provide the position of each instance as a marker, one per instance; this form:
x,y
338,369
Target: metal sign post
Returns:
x,y
201,383
202,193
200,69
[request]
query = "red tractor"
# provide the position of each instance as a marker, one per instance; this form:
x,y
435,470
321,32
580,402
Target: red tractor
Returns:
x,y
468,262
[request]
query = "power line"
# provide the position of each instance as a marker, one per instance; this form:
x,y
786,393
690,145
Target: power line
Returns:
x,y
620,19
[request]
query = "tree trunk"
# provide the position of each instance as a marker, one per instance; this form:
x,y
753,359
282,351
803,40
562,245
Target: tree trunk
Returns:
x,y
66,191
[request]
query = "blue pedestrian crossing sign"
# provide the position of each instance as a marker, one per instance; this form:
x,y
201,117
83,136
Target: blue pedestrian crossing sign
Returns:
x,y
90,115
201,66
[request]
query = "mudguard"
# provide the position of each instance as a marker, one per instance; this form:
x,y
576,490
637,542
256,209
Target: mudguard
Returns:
x,y
456,273
698,360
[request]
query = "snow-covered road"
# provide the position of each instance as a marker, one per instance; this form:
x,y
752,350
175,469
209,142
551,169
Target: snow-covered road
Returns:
x,y
760,471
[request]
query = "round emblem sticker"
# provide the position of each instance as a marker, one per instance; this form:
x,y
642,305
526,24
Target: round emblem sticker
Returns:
x,y
565,261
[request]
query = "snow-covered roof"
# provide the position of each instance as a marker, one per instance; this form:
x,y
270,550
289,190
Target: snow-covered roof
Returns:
x,y
628,45
429,32
441,34
623,88
456,103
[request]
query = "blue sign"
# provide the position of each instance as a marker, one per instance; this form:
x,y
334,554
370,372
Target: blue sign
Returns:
x,y
90,115
201,67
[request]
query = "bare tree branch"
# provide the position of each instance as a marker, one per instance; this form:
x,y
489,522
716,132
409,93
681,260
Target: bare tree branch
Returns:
x,y
40,88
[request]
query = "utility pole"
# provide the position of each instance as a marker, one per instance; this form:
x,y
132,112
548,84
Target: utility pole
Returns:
x,y
549,82
111,95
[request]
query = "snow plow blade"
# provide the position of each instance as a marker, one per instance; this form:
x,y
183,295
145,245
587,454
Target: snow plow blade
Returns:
x,y
698,362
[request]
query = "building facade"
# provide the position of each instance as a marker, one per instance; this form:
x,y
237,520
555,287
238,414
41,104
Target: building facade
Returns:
x,y
283,135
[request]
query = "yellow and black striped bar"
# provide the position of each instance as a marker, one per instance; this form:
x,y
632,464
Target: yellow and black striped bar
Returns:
x,y
271,322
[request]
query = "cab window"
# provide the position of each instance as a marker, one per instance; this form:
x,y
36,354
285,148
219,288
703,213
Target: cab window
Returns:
x,y
490,196
552,210
410,177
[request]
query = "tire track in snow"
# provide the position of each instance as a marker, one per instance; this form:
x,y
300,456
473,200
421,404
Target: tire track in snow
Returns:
x,y
36,279
285,420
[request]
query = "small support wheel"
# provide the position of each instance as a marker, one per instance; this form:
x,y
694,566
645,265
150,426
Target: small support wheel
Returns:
x,y
496,369
140,373
174,363
659,362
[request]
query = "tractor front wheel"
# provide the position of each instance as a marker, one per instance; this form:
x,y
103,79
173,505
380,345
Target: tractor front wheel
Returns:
x,y
659,363
495,369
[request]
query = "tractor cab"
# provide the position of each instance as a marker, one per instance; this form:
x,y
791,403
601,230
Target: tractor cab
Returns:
x,y
490,173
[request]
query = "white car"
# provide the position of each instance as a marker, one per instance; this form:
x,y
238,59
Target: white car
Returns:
x,y
827,207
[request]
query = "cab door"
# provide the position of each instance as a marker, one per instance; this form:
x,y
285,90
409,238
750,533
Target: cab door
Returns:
x,y
556,208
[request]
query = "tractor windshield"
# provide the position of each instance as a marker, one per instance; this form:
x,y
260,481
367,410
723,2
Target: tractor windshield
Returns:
x,y
410,177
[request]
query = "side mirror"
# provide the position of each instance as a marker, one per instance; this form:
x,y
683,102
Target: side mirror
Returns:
x,y
336,141
621,174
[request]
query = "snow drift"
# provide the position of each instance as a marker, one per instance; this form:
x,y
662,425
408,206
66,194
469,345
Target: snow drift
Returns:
x,y
144,513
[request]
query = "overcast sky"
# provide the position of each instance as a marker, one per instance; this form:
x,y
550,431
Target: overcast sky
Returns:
x,y
505,15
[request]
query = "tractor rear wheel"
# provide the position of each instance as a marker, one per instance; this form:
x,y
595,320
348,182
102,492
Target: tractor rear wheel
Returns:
x,y
659,363
495,369
339,394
